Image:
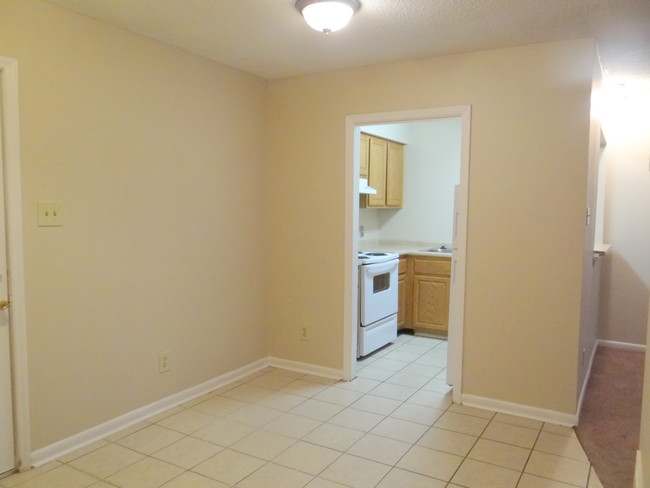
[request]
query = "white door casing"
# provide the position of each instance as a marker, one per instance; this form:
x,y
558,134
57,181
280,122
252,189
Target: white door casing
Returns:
x,y
7,459
459,257
13,347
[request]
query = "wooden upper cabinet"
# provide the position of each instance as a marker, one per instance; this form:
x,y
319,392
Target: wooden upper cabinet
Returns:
x,y
377,153
363,155
385,163
394,175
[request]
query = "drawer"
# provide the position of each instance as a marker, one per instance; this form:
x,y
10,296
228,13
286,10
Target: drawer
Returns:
x,y
377,335
428,266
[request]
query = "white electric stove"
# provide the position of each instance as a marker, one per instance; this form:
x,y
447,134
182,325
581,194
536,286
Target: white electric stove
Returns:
x,y
378,272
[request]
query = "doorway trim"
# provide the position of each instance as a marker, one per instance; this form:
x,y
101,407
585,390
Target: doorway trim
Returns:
x,y
15,260
457,307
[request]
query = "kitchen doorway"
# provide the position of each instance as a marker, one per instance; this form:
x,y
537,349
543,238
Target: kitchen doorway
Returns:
x,y
456,313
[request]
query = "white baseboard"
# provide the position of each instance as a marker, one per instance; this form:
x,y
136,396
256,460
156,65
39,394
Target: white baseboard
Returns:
x,y
621,345
638,471
585,383
306,368
534,413
604,343
82,439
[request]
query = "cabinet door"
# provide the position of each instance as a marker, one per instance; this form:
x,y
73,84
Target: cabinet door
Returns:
x,y
377,171
394,175
401,302
363,155
431,303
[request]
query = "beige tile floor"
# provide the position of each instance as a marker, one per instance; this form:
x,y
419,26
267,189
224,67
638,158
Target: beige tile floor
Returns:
x,y
393,426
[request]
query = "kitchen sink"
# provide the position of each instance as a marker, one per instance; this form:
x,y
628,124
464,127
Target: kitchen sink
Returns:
x,y
442,250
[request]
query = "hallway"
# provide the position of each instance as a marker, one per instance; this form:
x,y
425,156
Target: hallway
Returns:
x,y
611,415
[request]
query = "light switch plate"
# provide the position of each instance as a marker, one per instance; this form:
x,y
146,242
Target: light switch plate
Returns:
x,y
50,214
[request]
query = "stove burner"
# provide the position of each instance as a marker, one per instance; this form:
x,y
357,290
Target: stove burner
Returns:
x,y
368,257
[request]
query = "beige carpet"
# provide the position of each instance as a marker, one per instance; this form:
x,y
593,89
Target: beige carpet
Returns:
x,y
611,415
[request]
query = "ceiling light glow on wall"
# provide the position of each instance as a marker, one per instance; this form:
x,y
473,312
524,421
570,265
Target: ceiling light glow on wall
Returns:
x,y
327,15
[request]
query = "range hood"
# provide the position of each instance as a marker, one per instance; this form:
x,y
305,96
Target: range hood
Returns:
x,y
364,188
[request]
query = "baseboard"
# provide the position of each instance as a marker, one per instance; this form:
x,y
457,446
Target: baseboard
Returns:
x,y
603,343
306,368
519,410
82,439
621,345
638,471
585,383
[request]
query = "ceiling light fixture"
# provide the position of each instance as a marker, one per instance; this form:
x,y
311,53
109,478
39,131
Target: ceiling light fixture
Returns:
x,y
327,15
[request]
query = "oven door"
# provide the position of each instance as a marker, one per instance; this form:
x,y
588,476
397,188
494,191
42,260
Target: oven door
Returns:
x,y
377,291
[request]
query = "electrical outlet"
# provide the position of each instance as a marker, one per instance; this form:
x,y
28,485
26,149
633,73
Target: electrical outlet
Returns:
x,y
304,334
163,361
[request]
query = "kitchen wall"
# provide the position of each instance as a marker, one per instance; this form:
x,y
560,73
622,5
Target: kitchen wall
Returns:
x,y
626,268
431,170
528,188
158,157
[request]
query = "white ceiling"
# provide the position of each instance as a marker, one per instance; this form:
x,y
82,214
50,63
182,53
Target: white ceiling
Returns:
x,y
269,37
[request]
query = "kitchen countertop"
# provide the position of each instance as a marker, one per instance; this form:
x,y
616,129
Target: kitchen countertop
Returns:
x,y
404,248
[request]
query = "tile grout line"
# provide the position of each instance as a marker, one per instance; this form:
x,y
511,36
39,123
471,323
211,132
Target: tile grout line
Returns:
x,y
523,469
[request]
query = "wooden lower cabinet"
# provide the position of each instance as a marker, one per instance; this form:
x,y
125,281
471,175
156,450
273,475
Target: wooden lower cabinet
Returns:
x,y
431,303
424,294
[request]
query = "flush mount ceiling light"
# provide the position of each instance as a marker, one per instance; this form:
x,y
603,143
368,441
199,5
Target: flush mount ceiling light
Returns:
x,y
327,15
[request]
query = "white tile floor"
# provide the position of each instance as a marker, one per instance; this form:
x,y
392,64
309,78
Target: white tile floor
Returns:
x,y
393,426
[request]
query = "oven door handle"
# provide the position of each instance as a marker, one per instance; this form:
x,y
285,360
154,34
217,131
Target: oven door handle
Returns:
x,y
380,268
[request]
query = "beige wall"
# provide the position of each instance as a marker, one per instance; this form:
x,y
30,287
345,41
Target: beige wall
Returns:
x,y
528,183
157,156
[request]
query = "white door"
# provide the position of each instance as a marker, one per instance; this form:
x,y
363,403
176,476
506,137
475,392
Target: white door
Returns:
x,y
7,459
